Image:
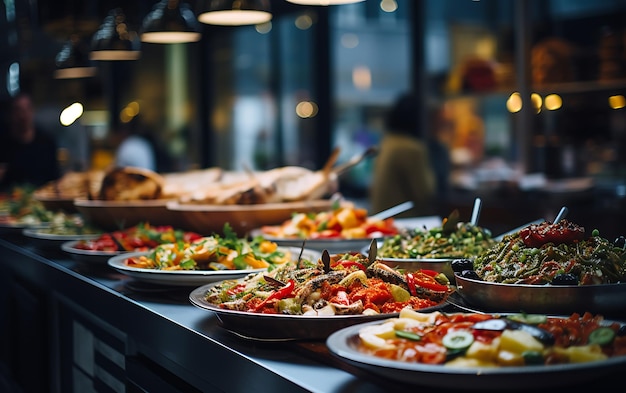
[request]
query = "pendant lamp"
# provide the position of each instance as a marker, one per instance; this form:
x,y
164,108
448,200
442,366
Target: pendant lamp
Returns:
x,y
72,61
170,22
324,2
235,12
114,40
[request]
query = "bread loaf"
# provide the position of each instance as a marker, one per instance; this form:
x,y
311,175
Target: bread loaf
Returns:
x,y
131,184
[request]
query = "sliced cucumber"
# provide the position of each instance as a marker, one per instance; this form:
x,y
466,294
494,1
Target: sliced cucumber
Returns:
x,y
458,339
603,335
408,335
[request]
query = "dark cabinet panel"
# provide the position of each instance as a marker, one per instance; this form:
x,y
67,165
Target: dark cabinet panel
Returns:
x,y
28,343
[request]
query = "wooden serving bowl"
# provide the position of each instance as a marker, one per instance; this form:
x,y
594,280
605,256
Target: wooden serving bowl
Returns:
x,y
114,215
207,219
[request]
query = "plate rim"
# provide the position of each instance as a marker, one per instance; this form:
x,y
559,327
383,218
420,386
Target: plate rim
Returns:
x,y
4,225
68,247
116,262
34,234
186,277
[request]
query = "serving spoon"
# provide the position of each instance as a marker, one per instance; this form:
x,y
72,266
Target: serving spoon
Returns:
x,y
562,213
392,211
341,168
476,211
372,252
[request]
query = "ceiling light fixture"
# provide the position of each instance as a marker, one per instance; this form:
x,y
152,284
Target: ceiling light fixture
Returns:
x,y
324,2
235,12
170,22
114,40
72,61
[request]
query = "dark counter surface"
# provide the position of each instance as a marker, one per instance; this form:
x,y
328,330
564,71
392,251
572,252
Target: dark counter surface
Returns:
x,y
158,325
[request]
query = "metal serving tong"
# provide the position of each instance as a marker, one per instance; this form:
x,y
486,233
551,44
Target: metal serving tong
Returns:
x,y
372,252
342,168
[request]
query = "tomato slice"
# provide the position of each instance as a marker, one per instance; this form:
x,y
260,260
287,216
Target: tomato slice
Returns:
x,y
564,231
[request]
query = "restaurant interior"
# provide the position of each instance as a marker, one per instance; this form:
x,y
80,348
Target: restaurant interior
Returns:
x,y
533,94
287,91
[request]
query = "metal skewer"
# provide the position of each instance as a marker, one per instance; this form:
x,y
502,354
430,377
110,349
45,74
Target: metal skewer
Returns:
x,y
561,214
476,211
392,211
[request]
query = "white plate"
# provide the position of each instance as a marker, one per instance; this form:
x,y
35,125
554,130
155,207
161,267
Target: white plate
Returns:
x,y
19,227
42,235
88,256
343,344
334,246
189,277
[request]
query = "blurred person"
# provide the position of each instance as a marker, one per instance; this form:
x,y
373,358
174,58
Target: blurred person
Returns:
x,y
402,168
28,156
438,140
134,148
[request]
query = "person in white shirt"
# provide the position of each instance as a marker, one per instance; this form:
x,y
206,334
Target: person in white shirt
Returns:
x,y
133,148
136,151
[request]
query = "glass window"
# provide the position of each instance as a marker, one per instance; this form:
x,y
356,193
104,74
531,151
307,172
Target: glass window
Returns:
x,y
371,61
264,101
268,105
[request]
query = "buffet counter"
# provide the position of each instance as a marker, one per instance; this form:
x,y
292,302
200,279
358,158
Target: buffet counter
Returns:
x,y
84,328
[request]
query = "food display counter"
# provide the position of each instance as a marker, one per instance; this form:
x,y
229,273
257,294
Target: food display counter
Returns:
x,y
85,327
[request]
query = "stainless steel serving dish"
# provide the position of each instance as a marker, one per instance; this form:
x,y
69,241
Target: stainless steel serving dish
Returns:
x,y
283,327
605,299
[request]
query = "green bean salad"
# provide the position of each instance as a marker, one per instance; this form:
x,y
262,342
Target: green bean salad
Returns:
x,y
461,240
594,260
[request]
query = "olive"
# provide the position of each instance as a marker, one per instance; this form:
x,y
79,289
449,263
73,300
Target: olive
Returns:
x,y
504,323
533,357
565,279
620,242
458,265
469,274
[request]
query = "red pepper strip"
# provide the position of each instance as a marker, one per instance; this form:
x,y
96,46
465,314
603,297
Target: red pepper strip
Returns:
x,y
279,294
432,285
428,272
410,281
236,289
348,264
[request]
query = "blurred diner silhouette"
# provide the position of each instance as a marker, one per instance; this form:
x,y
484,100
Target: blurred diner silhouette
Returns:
x,y
403,170
28,154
